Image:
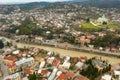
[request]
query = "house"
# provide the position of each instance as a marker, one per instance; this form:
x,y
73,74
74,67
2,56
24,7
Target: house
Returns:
x,y
52,76
83,41
36,50
50,60
15,76
79,65
99,64
65,65
62,76
58,74
70,75
25,78
28,71
23,54
101,34
117,66
7,50
24,61
44,72
113,49
42,64
41,60
11,68
117,73
10,59
21,64
82,37
107,49
67,58
56,62
102,19
16,52
75,59
106,77
83,58
49,53
39,38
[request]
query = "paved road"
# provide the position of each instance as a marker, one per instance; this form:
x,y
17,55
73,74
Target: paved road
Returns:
x,y
72,53
3,68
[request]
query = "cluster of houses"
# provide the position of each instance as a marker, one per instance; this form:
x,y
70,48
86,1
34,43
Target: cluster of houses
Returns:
x,y
84,39
21,63
20,66
81,38
50,18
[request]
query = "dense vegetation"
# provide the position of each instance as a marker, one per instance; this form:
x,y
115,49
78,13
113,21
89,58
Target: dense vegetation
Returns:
x,y
89,27
1,44
109,40
92,72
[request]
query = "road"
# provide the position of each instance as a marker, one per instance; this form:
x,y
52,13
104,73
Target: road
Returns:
x,y
72,53
3,68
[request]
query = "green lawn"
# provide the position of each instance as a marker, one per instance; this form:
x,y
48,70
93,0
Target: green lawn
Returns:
x,y
113,25
90,27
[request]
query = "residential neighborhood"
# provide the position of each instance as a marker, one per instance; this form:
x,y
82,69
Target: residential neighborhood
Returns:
x,y
60,40
29,63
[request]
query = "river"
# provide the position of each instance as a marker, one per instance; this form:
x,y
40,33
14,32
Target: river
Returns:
x,y
72,53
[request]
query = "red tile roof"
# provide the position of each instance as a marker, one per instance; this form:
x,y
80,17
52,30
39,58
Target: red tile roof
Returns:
x,y
11,58
62,77
83,37
83,57
70,74
28,71
56,62
43,72
11,65
8,79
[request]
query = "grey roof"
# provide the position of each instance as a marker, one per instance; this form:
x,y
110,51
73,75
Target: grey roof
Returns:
x,y
22,61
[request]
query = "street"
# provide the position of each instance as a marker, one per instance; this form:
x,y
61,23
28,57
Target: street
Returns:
x,y
4,68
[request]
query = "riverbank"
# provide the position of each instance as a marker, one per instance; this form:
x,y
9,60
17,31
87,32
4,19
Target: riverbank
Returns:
x,y
71,53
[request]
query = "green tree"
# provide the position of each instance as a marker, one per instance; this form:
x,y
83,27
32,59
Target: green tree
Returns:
x,y
33,77
109,40
1,44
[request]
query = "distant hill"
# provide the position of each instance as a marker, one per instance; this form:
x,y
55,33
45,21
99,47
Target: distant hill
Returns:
x,y
8,8
32,5
36,4
100,3
106,3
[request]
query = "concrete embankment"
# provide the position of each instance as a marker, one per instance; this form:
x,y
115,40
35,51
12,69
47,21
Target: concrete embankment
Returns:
x,y
72,53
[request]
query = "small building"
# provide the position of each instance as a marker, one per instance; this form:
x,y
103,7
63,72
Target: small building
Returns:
x,y
52,76
21,64
79,65
102,19
106,77
9,59
15,76
28,71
